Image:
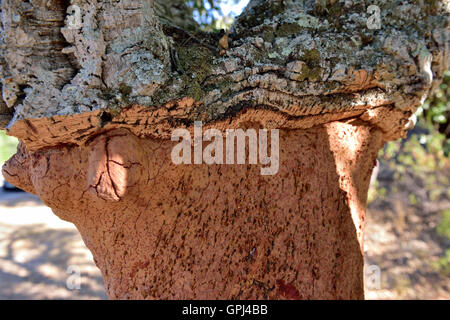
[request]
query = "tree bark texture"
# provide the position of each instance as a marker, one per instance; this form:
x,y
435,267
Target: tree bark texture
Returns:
x,y
94,90
158,230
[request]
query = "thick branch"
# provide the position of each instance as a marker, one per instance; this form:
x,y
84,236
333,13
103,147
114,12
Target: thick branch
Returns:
x,y
295,58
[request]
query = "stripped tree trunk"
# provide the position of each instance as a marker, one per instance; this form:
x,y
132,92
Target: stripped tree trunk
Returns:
x,y
95,89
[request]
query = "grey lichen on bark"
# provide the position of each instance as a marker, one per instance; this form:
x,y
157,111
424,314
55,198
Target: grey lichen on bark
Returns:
x,y
295,58
97,88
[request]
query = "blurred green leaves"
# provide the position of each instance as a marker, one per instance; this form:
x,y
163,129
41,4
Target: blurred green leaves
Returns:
x,y
424,156
443,229
435,113
443,265
8,146
209,13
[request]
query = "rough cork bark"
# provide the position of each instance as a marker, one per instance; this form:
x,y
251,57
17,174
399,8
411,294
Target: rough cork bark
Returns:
x,y
94,101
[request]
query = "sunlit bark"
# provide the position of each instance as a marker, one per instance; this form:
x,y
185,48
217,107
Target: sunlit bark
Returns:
x,y
96,89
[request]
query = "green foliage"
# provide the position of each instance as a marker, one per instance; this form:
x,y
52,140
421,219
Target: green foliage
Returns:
x,y
208,13
424,155
8,146
435,113
443,229
376,192
443,265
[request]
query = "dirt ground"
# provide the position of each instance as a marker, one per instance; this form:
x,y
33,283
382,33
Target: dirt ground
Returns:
x,y
401,240
41,255
37,251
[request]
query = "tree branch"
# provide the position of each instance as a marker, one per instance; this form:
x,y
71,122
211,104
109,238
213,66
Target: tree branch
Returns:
x,y
295,58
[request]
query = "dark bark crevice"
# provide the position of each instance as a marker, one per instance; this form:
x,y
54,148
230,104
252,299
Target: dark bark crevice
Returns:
x,y
335,88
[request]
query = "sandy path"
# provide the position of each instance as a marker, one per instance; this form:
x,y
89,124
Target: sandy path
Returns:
x,y
36,250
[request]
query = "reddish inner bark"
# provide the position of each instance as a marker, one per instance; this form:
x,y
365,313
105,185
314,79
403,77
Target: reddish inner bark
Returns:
x,y
158,230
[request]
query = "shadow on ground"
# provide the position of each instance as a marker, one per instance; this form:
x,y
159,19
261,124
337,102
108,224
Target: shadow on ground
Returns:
x,y
41,256
42,263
